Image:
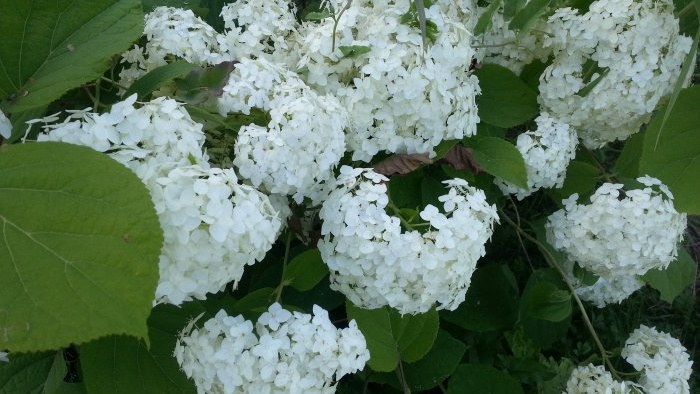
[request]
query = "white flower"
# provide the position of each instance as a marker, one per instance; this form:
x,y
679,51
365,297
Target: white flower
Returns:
x,y
638,52
296,152
257,27
4,357
171,32
590,379
5,126
374,263
284,352
547,152
400,98
621,233
663,360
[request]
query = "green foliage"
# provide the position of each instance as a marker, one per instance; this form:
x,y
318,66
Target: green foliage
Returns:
x,y
305,270
482,379
392,338
491,302
500,158
27,373
121,364
673,280
505,100
547,302
62,207
543,311
581,178
674,159
56,53
528,15
159,77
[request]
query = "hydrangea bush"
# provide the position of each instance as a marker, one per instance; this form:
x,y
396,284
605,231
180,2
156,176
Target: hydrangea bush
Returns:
x,y
377,197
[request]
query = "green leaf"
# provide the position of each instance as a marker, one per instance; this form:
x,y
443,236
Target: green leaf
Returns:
x,y
120,364
255,303
505,100
158,77
392,337
547,302
80,249
627,164
482,379
581,178
531,73
51,47
354,51
528,15
544,332
27,373
375,325
204,84
433,368
484,23
688,65
405,190
305,270
673,280
317,16
414,334
491,302
676,158
499,158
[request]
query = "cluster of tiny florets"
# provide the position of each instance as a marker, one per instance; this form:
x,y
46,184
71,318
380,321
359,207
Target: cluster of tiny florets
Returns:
x,y
592,379
627,56
284,352
374,263
664,362
547,152
401,97
620,233
296,152
213,227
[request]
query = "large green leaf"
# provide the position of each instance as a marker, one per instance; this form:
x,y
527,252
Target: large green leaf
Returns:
x,y
433,368
392,337
675,160
505,100
673,280
26,373
50,47
581,178
157,77
305,270
547,302
482,379
545,332
120,364
80,246
491,302
499,158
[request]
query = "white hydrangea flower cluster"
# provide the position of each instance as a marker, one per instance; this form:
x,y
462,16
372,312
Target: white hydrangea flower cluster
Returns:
x,y
257,28
621,233
400,98
172,32
592,379
617,253
507,48
547,152
375,264
212,226
5,126
4,357
663,360
296,152
285,352
639,53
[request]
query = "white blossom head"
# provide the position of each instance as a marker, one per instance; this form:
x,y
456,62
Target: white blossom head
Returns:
x,y
547,152
375,263
284,352
662,359
592,379
621,233
628,53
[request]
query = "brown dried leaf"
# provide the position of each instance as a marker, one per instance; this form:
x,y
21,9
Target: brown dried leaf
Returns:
x,y
401,164
462,158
